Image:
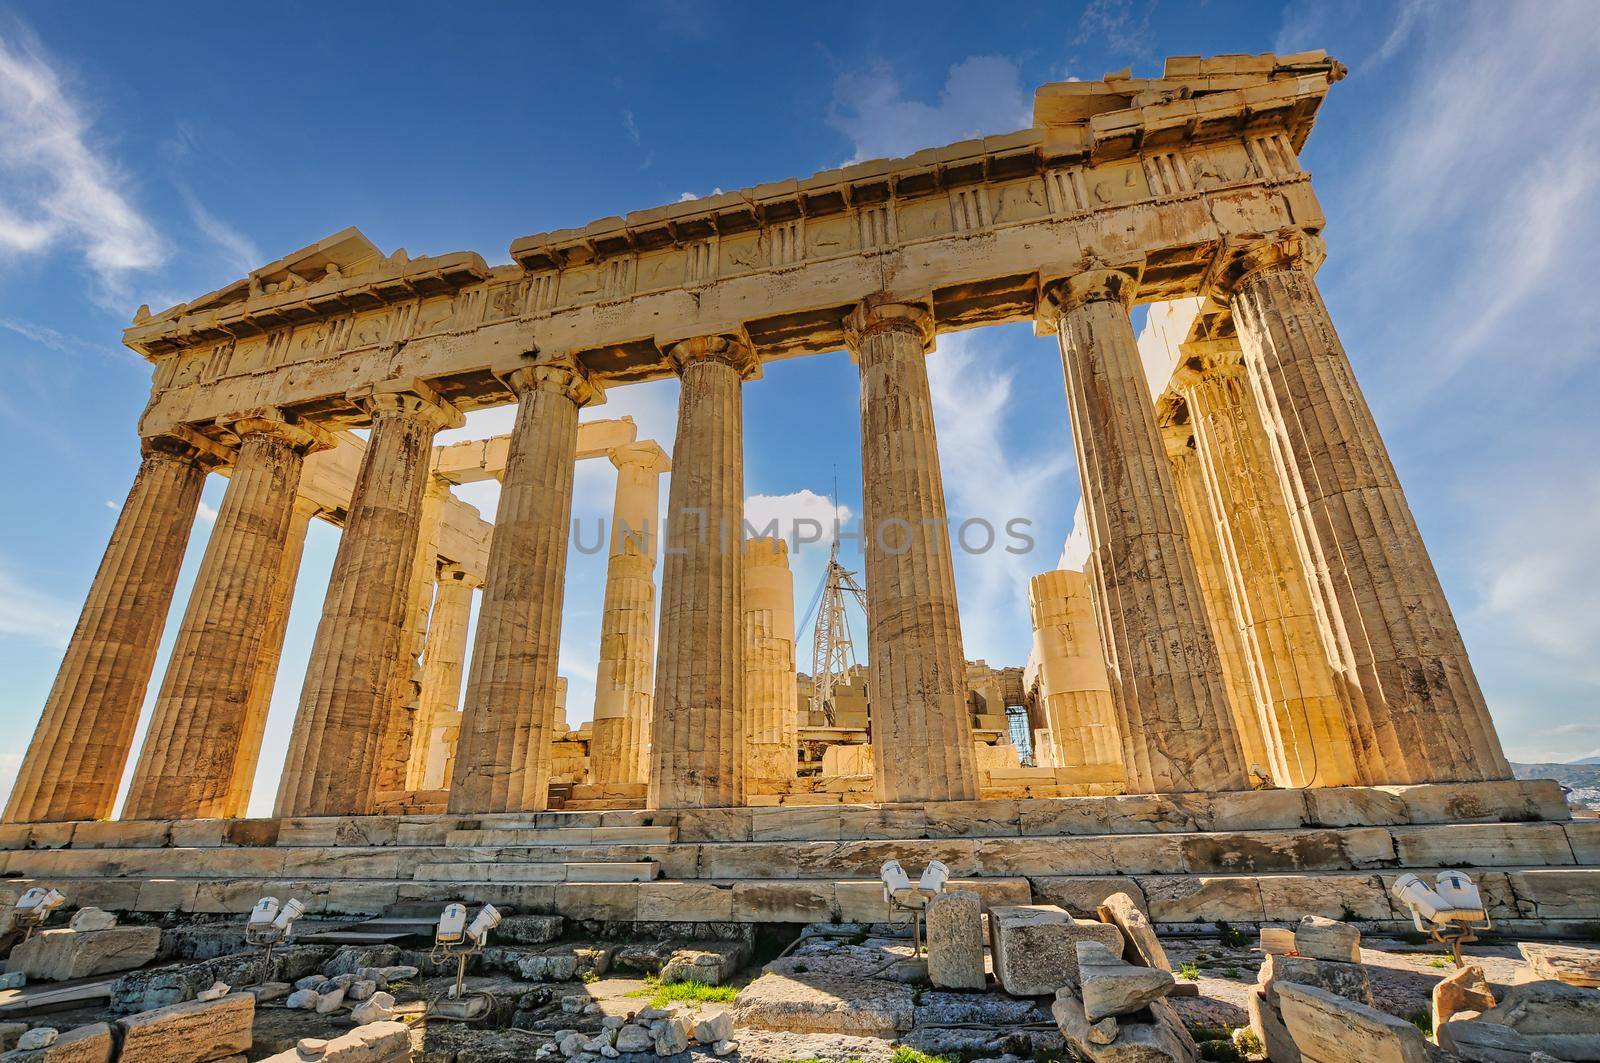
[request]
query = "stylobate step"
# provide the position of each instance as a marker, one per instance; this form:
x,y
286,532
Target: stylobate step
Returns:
x,y
517,835
590,871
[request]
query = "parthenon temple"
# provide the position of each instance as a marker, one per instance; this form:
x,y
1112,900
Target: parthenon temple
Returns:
x,y
1245,633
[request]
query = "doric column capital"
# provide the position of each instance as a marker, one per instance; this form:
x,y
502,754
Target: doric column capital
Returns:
x,y
182,443
1246,257
1176,436
274,423
877,314
1101,284
411,397
646,456
1204,359
565,377
728,350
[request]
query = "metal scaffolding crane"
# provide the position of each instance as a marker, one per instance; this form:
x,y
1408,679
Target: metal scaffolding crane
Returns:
x,y
832,649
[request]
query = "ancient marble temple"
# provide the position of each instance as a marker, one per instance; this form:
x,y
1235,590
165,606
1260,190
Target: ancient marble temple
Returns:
x,y
1253,606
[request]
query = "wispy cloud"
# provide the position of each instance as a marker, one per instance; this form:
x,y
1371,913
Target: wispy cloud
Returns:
x,y
982,95
1122,27
28,614
56,188
629,126
238,251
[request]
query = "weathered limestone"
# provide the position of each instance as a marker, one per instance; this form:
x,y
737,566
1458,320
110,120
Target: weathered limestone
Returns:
x,y
1420,716
1285,640
1034,947
503,756
74,762
623,681
406,736
1078,711
1465,990
1177,730
1109,985
697,744
921,731
377,1042
1221,609
771,698
1327,939
1327,1028
259,704
195,1031
346,700
201,724
61,954
86,1044
955,940
443,662
1568,963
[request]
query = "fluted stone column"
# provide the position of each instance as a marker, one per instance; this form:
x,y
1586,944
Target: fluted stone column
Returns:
x,y
1166,678
1421,716
405,750
503,757
259,704
771,697
1072,672
74,763
349,684
625,677
921,729
696,753
444,658
1244,700
199,725
1285,640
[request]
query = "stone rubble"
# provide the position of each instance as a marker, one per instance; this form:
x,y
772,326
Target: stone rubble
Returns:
x,y
1033,947
1110,986
955,940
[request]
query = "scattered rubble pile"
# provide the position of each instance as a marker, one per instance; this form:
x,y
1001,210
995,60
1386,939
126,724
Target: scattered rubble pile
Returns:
x,y
996,984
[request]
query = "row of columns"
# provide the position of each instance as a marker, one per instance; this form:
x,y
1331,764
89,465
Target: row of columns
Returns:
x,y
1398,682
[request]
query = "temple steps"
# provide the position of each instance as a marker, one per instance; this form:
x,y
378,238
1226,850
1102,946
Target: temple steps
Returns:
x,y
530,835
589,871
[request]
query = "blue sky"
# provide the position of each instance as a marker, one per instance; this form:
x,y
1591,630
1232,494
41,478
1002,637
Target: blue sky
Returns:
x,y
150,155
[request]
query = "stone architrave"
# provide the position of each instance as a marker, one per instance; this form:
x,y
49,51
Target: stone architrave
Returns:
x,y
201,723
259,705
443,663
1420,716
697,749
955,940
1222,611
61,954
345,700
196,1031
921,727
1080,718
624,678
503,753
1286,640
74,763
771,696
1172,709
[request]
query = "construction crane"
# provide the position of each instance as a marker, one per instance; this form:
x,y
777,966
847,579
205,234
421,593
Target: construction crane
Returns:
x,y
832,648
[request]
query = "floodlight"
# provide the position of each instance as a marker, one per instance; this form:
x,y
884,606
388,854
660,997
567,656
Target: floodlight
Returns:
x,y
271,924
452,924
455,939
895,879
933,878
1452,915
34,907
1460,894
486,920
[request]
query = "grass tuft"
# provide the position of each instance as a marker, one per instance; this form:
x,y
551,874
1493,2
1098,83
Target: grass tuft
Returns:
x,y
1190,971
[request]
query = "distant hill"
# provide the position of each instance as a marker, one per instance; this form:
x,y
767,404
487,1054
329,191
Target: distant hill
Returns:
x,y
1581,777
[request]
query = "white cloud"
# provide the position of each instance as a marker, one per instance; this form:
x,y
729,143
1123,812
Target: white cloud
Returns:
x,y
690,197
239,252
26,613
799,515
982,95
1122,27
111,505
207,514
55,188
984,478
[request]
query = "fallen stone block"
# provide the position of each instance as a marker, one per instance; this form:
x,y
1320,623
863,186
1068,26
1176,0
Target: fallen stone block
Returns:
x,y
1267,1024
633,1038
705,962
804,1003
1112,986
196,1031
303,1000
85,1044
379,1007
671,1036
330,1001
1327,1028
955,940
57,955
710,1030
378,1042
1327,939
163,986
1143,947
91,918
530,929
1033,947
1565,963
645,957
1348,980
1548,1007
1161,1040
351,958
1465,990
